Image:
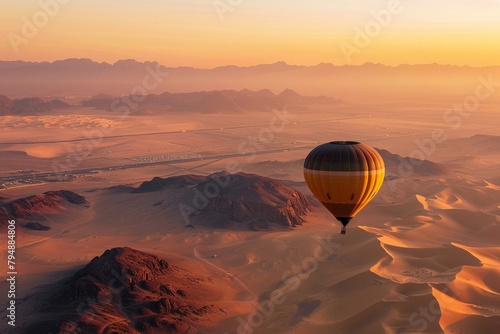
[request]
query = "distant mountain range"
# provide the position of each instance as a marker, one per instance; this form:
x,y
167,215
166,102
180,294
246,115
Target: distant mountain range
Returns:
x,y
85,78
213,101
207,101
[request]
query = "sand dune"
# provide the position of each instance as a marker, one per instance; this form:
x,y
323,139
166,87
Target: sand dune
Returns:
x,y
419,265
410,207
44,151
431,251
474,292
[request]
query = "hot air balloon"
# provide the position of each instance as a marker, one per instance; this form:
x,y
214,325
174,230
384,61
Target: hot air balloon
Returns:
x,y
344,176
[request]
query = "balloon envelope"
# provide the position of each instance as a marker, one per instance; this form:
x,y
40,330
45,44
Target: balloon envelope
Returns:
x,y
344,176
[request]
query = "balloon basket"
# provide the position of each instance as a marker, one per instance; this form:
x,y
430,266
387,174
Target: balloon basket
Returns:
x,y
343,231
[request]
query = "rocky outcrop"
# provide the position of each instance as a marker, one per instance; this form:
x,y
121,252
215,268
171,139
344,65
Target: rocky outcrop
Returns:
x,y
256,200
397,165
35,207
233,200
175,182
28,106
6,105
130,268
124,291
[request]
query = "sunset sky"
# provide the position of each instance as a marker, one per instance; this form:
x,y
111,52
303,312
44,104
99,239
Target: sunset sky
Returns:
x,y
213,33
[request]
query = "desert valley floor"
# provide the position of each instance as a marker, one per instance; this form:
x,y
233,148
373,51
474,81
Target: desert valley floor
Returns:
x,y
422,257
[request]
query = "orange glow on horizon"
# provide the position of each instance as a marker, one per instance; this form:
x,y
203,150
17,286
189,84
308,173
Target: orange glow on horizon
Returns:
x,y
198,34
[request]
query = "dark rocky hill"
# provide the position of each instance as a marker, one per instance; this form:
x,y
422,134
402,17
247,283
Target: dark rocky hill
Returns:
x,y
124,291
29,106
37,206
233,200
399,166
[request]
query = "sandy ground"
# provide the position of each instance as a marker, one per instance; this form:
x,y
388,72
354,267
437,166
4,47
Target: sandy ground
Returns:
x,y
423,257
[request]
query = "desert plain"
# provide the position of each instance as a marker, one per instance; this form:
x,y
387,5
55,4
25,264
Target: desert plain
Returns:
x,y
422,257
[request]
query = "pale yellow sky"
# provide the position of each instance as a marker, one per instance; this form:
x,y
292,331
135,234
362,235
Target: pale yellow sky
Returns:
x,y
213,33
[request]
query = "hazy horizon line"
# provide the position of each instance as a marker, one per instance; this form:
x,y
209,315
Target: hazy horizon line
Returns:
x,y
284,62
